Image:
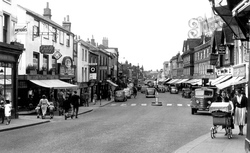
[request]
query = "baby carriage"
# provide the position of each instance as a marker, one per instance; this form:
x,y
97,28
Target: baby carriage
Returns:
x,y
69,113
221,113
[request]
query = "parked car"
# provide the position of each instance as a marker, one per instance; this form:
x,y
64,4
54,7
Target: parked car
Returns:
x,y
202,99
161,88
120,96
150,92
173,90
128,92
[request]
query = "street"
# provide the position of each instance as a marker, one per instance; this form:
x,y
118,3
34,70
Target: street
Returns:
x,y
120,127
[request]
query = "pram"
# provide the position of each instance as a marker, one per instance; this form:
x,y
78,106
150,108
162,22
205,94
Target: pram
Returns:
x,y
221,113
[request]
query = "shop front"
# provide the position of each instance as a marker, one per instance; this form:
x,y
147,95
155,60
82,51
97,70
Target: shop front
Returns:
x,y
9,57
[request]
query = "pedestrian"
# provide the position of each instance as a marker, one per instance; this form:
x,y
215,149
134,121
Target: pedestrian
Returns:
x,y
75,100
51,107
94,98
2,110
86,96
240,105
44,103
7,111
134,91
224,98
67,107
38,110
61,99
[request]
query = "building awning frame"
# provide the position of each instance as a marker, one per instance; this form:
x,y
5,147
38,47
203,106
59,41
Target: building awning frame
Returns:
x,y
54,83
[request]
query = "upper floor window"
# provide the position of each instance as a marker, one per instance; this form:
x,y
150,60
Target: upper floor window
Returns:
x,y
5,27
46,62
68,40
54,34
61,37
83,54
86,55
45,31
36,29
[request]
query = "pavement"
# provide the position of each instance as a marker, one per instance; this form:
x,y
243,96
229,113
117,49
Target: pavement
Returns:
x,y
204,143
29,118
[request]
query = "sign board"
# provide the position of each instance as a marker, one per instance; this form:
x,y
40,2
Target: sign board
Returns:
x,y
21,29
57,55
222,49
92,63
92,69
47,49
92,75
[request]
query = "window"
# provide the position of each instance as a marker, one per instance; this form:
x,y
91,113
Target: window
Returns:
x,y
82,74
45,31
86,55
45,61
83,54
36,29
54,35
36,60
68,40
5,27
61,37
86,76
53,62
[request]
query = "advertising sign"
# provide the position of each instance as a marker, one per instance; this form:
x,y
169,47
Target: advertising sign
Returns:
x,y
47,49
92,72
222,49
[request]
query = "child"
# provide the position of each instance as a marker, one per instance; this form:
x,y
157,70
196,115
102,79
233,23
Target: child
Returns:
x,y
7,111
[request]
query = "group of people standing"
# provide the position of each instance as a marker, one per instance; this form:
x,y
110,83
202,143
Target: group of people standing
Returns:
x,y
68,105
238,103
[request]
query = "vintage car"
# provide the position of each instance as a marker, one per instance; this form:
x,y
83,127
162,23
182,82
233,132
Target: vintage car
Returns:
x,y
120,96
150,92
128,92
202,98
173,89
186,93
161,89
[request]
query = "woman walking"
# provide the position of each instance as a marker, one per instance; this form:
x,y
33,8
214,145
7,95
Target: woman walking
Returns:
x,y
44,103
240,103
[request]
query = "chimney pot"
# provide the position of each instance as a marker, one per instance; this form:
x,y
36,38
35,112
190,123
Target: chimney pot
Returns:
x,y
47,4
67,17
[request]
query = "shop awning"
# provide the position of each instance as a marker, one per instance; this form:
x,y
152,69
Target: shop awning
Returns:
x,y
216,80
228,82
56,84
112,83
173,80
176,80
196,82
222,80
192,81
182,80
239,82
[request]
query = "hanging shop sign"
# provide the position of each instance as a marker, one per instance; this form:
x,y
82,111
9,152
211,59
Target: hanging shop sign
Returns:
x,y
222,49
21,29
47,49
92,72
67,67
57,55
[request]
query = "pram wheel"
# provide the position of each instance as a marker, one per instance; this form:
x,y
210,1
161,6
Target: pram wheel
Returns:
x,y
213,131
230,134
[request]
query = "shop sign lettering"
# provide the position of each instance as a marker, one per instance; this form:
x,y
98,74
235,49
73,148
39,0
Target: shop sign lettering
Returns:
x,y
239,71
47,49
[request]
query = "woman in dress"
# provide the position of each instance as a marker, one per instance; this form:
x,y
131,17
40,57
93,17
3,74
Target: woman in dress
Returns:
x,y
7,111
44,103
240,103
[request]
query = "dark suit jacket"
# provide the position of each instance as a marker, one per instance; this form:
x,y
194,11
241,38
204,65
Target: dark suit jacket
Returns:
x,y
242,104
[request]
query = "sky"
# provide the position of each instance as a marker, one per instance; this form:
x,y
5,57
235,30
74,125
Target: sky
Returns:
x,y
146,32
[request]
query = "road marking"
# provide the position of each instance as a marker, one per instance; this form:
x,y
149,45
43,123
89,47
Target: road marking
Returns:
x,y
123,104
113,104
169,104
188,105
143,104
133,104
179,104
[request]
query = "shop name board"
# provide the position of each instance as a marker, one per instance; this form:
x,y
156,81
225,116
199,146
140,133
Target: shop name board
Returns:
x,y
240,71
92,76
21,29
47,49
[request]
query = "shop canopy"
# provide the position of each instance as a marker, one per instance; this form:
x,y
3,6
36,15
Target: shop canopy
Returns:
x,y
171,81
174,81
56,84
181,81
242,81
221,80
228,82
216,80
112,83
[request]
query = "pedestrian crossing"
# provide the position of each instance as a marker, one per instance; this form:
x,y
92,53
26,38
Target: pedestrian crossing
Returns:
x,y
146,104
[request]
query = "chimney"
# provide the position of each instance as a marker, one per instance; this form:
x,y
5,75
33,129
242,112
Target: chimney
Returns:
x,y
93,41
47,12
66,24
105,42
88,41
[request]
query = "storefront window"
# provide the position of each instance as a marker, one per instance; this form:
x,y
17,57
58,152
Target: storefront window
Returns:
x,y
45,61
36,60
